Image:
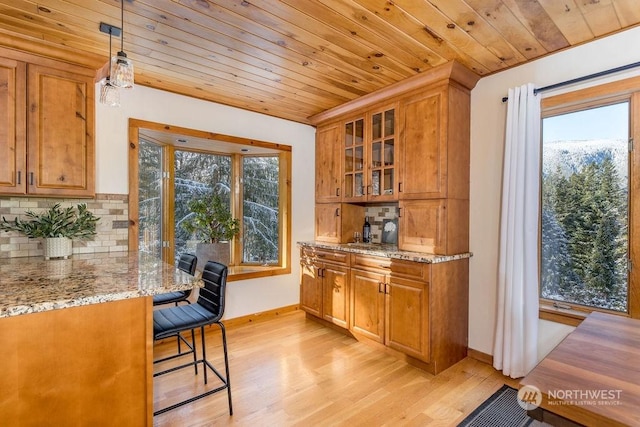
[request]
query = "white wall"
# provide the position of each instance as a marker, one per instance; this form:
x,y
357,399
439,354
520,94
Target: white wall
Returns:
x,y
487,139
247,296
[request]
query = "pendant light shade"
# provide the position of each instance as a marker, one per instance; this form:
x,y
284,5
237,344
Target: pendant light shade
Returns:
x,y
121,71
121,66
109,94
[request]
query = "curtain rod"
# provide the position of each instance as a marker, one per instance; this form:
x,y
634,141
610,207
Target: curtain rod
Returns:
x,y
583,78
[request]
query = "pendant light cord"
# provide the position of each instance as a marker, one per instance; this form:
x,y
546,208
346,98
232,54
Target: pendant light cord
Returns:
x,y
122,25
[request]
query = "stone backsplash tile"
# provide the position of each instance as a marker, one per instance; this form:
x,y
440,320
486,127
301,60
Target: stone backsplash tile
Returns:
x,y
377,214
112,230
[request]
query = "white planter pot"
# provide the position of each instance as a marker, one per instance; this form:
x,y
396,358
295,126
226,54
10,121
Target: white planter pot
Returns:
x,y
57,247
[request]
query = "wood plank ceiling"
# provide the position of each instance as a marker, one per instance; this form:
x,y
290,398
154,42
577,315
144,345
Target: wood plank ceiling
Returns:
x,y
295,58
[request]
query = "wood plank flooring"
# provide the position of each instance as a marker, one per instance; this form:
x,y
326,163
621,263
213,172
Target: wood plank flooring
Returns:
x,y
292,371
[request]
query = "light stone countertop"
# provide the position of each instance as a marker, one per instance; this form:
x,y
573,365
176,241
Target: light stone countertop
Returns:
x,y
387,251
32,284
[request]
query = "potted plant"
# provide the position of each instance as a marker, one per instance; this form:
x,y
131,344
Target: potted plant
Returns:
x,y
57,226
211,222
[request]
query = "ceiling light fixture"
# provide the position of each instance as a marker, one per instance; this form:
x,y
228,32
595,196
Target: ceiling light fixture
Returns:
x,y
121,66
109,94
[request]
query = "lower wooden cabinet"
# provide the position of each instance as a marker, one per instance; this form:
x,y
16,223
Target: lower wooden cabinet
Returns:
x,y
367,303
390,310
324,286
417,309
407,317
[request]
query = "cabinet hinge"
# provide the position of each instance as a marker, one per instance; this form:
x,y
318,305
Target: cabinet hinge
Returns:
x,y
166,175
630,145
629,265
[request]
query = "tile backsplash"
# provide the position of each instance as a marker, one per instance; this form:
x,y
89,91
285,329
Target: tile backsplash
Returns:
x,y
112,229
377,214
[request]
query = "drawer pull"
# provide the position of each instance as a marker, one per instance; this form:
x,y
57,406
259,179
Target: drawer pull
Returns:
x,y
384,266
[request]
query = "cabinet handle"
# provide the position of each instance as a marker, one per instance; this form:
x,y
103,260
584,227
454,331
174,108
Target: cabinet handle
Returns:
x,y
369,187
19,177
384,266
387,289
337,191
30,178
400,187
399,212
380,287
337,211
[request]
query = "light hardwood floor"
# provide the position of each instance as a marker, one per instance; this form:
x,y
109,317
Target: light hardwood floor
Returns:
x,y
293,371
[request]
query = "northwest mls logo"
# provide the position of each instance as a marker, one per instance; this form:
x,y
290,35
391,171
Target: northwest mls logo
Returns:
x,y
529,397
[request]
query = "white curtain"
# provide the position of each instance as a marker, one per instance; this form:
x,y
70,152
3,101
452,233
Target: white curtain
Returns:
x,y
515,348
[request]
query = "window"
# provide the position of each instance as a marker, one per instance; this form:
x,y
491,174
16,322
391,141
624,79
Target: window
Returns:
x,y
585,207
260,209
196,174
587,192
174,166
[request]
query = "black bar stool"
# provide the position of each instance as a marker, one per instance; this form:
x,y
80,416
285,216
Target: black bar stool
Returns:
x,y
208,310
186,263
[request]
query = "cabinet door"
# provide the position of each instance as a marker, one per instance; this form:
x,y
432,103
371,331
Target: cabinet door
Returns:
x,y
328,222
328,171
335,303
439,226
336,222
310,288
60,145
407,317
424,148
367,304
12,127
354,161
382,149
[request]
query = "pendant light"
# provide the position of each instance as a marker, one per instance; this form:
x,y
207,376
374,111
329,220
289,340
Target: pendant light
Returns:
x,y
109,94
121,66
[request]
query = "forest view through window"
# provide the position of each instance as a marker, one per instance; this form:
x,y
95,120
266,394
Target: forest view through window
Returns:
x,y
249,185
585,215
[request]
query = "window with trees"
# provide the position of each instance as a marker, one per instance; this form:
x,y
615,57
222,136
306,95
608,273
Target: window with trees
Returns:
x,y
173,166
587,193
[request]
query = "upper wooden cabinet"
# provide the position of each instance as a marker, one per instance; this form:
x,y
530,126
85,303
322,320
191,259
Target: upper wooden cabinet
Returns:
x,y
336,222
369,159
47,141
12,126
328,166
435,145
408,142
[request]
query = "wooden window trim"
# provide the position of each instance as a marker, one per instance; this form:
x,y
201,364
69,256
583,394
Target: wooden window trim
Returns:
x,y
236,272
609,93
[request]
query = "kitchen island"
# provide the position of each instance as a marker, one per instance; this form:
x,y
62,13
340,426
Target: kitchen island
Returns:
x,y
77,338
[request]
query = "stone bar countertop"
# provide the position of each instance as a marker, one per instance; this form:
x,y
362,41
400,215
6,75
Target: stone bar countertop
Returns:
x,y
33,284
385,250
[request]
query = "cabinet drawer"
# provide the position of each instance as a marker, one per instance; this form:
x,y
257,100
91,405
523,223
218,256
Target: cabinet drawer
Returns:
x,y
365,261
325,255
410,269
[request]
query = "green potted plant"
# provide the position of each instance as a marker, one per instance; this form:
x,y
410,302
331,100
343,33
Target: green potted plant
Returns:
x,y
211,222
57,226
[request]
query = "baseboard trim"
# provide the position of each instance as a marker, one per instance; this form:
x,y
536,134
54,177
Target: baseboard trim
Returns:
x,y
260,317
480,356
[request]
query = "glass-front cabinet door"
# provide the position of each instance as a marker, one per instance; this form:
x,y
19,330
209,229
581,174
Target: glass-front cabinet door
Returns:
x,y
382,155
354,161
369,157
